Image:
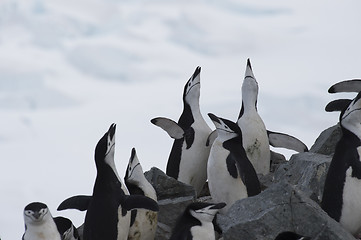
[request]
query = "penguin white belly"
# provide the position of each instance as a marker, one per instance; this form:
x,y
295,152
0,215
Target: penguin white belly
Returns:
x,y
43,232
351,207
205,231
147,221
222,186
255,142
193,166
123,225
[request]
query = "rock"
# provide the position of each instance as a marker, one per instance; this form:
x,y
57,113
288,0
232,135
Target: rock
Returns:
x,y
282,207
306,170
276,160
326,142
167,187
173,198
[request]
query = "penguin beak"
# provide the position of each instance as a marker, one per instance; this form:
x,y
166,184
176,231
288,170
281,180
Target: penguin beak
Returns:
x,y
36,215
111,131
214,118
219,205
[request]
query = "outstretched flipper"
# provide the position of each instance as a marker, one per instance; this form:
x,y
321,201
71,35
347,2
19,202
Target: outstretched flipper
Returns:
x,y
283,140
338,105
79,202
353,85
131,202
170,126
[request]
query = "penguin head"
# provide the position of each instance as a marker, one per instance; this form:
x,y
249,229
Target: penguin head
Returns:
x,y
191,91
104,151
226,129
134,170
36,213
203,211
350,118
249,85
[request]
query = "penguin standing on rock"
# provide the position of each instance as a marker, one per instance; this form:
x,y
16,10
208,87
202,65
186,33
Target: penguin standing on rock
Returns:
x,y
256,139
196,222
342,190
187,161
107,209
143,223
231,175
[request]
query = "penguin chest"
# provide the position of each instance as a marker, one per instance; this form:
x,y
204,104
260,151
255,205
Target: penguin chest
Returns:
x,y
123,225
42,232
193,164
223,187
144,226
351,206
255,142
205,231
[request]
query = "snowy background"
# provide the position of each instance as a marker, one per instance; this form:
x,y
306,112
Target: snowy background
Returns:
x,y
68,69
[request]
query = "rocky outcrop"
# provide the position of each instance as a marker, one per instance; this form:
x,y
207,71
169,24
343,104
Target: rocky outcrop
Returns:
x,y
289,200
282,207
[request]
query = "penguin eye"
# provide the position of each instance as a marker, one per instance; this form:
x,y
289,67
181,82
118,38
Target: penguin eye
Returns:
x,y
189,84
28,212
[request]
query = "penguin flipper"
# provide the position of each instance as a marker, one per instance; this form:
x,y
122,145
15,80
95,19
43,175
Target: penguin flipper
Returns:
x,y
131,202
212,136
79,202
283,140
170,126
353,85
338,105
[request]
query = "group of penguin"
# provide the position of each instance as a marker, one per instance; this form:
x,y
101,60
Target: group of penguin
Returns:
x,y
231,158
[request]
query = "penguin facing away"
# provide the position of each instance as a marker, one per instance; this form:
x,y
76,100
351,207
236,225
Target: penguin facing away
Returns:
x,y
342,190
256,138
106,216
196,222
187,161
39,223
231,175
66,228
143,224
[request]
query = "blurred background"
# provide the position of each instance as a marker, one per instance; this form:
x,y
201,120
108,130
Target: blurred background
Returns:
x,y
68,69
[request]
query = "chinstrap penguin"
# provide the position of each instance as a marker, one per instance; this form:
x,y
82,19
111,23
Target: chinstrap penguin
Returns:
x,y
187,161
143,222
342,190
66,228
196,222
231,175
39,223
106,216
256,138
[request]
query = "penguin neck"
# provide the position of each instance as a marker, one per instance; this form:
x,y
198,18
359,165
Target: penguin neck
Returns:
x,y
352,129
352,133
47,228
106,179
249,97
187,117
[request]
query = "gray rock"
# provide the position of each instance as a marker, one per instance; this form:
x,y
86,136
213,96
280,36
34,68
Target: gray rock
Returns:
x,y
326,142
282,207
173,198
167,187
306,170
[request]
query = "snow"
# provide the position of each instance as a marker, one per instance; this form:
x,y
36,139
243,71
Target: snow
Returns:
x,y
68,69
